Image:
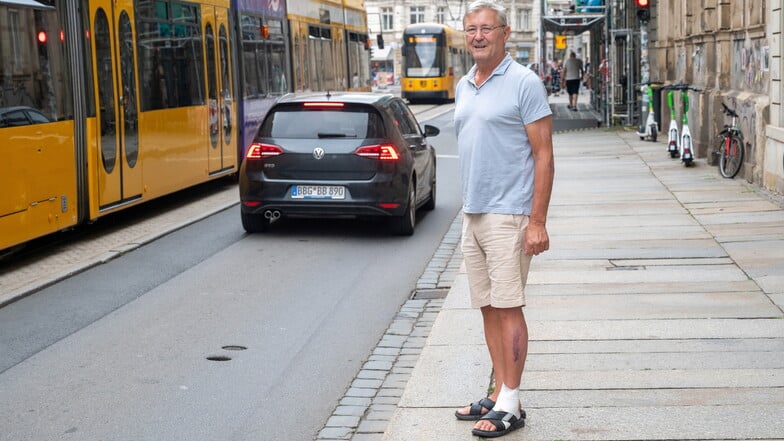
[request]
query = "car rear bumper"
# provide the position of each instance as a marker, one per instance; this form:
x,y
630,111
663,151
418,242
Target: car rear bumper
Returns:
x,y
361,199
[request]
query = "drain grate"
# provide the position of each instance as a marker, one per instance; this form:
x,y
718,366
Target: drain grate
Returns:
x,y
427,294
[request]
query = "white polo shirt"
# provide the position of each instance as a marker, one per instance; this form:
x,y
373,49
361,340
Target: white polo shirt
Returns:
x,y
496,164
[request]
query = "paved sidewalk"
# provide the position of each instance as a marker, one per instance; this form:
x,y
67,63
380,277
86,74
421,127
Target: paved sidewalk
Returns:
x,y
657,313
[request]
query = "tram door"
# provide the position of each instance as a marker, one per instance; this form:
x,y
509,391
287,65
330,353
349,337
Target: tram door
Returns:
x,y
113,51
220,94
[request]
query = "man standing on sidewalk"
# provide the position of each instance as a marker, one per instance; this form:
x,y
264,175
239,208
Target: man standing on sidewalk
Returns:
x,y
504,136
573,74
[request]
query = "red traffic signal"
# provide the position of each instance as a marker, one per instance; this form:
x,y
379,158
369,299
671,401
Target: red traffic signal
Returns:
x,y
642,9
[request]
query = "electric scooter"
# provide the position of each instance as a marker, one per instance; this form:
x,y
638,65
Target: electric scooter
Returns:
x,y
686,146
673,146
651,128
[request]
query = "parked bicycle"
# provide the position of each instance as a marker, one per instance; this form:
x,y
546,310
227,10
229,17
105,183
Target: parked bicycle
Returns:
x,y
731,146
686,146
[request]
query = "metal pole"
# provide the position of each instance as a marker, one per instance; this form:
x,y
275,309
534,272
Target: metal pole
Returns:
x,y
644,73
542,42
605,77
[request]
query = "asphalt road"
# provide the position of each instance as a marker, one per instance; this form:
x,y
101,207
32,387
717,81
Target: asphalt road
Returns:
x,y
130,349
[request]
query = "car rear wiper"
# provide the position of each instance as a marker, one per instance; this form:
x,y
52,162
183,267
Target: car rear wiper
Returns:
x,y
336,135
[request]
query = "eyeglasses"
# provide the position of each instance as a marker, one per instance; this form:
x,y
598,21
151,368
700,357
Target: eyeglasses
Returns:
x,y
485,30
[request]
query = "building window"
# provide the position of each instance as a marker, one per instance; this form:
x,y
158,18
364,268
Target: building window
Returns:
x,y
523,20
16,47
387,19
441,15
417,14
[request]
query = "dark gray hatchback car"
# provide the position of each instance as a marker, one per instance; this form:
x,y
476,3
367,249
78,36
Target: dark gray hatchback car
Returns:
x,y
337,155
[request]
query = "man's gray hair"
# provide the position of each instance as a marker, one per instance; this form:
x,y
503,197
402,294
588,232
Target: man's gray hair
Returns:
x,y
478,5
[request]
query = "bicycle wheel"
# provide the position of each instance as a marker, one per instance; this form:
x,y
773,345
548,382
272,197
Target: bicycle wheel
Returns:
x,y
731,158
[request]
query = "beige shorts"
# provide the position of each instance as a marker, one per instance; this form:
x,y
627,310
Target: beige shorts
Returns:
x,y
496,264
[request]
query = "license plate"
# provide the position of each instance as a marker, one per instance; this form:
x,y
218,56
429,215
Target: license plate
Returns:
x,y
318,192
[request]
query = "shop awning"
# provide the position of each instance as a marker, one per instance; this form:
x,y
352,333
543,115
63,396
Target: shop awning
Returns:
x,y
572,24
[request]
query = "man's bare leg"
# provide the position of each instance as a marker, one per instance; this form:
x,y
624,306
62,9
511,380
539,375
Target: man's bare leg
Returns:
x,y
506,334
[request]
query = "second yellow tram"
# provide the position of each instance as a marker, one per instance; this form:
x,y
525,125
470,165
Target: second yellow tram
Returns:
x,y
434,60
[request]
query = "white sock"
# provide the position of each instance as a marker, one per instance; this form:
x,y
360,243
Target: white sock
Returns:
x,y
508,401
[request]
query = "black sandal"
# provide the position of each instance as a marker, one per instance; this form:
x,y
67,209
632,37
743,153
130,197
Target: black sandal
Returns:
x,y
504,423
475,412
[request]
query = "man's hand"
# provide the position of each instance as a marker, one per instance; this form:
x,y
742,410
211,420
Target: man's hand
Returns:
x,y
536,239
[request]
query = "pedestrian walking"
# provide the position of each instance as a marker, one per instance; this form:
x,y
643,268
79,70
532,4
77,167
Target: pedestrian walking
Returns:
x,y
504,137
573,74
555,77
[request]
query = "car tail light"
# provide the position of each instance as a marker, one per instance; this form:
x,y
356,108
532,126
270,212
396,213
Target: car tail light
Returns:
x,y
329,105
259,151
382,152
388,206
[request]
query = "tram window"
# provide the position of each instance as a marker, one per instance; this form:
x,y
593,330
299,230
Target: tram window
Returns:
x,y
170,56
263,60
34,72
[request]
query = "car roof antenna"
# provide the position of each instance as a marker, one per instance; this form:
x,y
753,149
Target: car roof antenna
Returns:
x,y
328,95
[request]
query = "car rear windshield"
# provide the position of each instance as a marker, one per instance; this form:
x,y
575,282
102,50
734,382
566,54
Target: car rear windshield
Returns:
x,y
311,123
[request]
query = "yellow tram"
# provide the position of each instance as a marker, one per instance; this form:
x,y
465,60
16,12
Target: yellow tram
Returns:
x,y
329,45
105,104
434,60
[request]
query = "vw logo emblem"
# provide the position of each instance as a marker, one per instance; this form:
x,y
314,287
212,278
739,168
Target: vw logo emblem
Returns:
x,y
318,153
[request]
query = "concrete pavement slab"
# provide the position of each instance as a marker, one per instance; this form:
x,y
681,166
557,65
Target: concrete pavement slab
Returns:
x,y
649,317
649,397
732,207
620,378
661,361
640,288
651,306
746,232
603,423
623,346
771,284
438,381
741,218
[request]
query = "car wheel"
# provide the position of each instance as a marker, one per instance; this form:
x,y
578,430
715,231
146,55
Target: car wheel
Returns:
x,y
431,201
254,223
404,225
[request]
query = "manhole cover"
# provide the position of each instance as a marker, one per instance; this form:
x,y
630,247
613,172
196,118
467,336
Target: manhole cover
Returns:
x,y
218,358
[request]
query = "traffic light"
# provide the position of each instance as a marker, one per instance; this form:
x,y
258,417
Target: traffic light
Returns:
x,y
380,41
41,38
643,12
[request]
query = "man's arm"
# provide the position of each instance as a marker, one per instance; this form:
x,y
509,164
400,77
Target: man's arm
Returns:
x,y
540,135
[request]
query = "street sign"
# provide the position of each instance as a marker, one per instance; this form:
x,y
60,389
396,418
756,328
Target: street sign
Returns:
x,y
560,41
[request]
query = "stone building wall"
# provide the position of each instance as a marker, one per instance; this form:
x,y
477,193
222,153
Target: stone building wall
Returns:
x,y
773,170
722,47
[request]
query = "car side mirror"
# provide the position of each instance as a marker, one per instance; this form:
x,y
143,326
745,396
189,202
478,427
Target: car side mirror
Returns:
x,y
431,130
